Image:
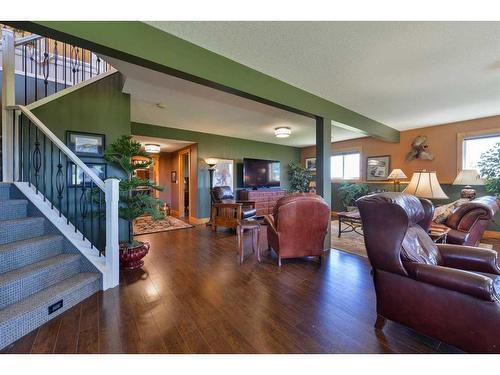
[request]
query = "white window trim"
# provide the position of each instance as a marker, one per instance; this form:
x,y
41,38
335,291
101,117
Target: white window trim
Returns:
x,y
344,151
461,137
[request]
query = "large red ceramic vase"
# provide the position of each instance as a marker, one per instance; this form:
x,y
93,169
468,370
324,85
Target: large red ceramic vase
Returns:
x,y
131,257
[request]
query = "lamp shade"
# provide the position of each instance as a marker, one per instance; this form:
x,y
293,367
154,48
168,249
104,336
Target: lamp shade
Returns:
x,y
424,184
211,161
397,174
468,177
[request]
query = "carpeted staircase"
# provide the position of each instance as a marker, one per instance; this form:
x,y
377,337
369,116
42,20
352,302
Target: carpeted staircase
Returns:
x,y
40,270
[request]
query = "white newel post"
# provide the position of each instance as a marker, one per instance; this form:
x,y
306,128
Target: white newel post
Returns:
x,y
111,279
8,99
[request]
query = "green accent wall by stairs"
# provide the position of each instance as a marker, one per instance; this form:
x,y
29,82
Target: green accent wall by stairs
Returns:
x,y
210,145
100,107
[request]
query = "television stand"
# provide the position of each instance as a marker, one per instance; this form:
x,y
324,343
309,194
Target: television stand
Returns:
x,y
265,200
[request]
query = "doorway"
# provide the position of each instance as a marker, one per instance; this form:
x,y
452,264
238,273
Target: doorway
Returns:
x,y
184,190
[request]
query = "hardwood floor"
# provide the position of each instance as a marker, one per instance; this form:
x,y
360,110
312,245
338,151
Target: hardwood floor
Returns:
x,y
192,296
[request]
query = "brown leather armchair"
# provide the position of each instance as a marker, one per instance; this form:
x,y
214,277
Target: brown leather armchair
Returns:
x,y
469,221
228,212
298,226
449,292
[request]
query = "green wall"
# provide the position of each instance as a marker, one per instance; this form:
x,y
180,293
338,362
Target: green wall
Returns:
x,y
100,107
210,145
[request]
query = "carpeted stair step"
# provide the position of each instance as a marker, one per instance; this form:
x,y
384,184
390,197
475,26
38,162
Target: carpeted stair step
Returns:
x,y
23,282
23,317
21,229
13,209
21,253
4,191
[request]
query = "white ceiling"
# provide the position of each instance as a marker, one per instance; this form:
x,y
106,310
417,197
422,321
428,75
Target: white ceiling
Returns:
x,y
199,108
166,145
403,74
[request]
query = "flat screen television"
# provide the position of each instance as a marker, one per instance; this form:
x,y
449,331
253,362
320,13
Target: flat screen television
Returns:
x,y
258,173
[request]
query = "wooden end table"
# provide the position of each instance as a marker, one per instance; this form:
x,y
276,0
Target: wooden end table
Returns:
x,y
438,232
254,227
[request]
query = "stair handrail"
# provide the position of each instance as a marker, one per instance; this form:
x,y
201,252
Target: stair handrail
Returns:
x,y
55,139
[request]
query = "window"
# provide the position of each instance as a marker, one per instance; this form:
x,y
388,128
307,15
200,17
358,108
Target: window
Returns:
x,y
346,166
473,147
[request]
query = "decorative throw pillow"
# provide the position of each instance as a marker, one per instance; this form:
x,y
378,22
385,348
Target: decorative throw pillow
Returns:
x,y
441,213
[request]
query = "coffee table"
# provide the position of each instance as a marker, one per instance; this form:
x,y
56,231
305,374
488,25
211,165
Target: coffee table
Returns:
x,y
352,220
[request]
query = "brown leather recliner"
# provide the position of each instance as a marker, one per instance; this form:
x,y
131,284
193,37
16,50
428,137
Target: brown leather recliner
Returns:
x,y
449,292
469,221
298,226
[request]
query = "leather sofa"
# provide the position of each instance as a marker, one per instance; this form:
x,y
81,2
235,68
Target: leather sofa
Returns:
x,y
449,292
469,221
298,226
226,211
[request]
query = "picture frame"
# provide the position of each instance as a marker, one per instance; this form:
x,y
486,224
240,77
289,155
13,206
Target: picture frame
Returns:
x,y
310,164
86,144
173,177
224,173
75,174
378,167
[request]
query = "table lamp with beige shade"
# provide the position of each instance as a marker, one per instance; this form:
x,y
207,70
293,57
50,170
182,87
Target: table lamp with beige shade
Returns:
x,y
468,177
397,175
424,184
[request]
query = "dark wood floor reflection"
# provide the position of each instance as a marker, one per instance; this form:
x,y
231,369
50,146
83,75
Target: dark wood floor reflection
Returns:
x,y
193,297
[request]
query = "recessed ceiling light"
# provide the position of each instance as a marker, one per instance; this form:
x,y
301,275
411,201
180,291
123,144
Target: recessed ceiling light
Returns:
x,y
282,132
152,148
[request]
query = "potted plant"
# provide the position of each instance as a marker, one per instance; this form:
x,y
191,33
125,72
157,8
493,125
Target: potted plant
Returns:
x,y
135,198
489,168
350,192
299,178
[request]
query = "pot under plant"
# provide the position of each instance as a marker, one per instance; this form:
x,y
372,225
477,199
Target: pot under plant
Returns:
x,y
131,254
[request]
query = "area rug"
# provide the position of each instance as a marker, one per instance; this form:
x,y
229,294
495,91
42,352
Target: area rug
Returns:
x,y
350,242
146,225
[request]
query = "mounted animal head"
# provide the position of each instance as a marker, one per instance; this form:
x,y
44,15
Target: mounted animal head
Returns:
x,y
418,150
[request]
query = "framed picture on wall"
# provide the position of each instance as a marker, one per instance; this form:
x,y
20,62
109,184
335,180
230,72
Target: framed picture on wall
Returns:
x,y
223,173
86,144
378,167
173,177
310,164
77,176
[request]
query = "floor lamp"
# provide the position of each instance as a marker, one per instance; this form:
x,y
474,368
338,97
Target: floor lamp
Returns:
x,y
212,163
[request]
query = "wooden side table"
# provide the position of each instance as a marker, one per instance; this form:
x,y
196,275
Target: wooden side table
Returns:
x,y
438,233
254,227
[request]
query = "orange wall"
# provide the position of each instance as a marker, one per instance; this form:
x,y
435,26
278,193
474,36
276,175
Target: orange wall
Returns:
x,y
441,139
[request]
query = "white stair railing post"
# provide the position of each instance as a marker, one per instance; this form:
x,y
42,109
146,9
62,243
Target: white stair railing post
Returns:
x,y
111,278
8,99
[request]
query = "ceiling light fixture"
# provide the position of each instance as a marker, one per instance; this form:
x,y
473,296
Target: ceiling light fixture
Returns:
x,y
282,132
152,148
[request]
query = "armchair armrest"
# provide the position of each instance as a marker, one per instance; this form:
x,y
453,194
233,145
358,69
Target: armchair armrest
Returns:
x,y
469,258
473,284
247,203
